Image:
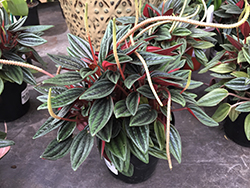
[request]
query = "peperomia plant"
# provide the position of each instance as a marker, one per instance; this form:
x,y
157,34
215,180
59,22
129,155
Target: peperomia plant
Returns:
x,y
231,69
121,95
16,43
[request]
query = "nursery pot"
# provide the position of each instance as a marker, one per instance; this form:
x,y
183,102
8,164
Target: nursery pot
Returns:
x,y
99,14
14,101
142,171
235,130
33,18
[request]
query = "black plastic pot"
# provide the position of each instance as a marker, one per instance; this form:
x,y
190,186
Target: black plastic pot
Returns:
x,y
142,171
14,101
235,130
33,18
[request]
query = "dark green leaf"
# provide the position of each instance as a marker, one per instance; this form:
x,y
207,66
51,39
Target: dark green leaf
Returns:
x,y
65,131
138,153
85,72
123,58
146,91
121,109
160,134
132,102
100,89
65,98
5,143
139,135
56,150
100,113
131,79
247,126
68,62
105,133
67,78
151,58
80,149
144,116
118,146
113,76
15,73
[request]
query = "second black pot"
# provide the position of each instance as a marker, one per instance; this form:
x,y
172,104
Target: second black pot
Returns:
x,y
235,130
14,101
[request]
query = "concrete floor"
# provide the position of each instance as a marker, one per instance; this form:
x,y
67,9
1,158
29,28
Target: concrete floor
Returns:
x,y
208,160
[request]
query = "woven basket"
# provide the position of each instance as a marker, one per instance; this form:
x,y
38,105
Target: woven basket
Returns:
x,y
99,14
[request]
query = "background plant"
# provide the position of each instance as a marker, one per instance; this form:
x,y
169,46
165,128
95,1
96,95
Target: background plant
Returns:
x,y
230,68
16,43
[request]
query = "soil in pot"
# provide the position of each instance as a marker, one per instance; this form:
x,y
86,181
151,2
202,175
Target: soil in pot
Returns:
x,y
14,101
235,130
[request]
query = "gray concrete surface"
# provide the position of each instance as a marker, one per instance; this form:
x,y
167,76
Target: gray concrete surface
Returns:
x,y
208,160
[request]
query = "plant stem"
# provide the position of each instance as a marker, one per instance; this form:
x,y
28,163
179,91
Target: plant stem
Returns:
x,y
185,20
244,98
168,130
20,64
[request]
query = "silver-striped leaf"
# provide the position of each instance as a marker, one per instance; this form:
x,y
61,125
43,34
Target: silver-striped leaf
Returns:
x,y
67,78
100,113
82,144
121,110
132,102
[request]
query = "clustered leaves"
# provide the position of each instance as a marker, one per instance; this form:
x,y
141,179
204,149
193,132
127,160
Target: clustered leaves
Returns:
x,y
231,68
16,43
123,115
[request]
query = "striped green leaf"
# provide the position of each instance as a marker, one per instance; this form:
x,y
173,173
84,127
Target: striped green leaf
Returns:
x,y
105,133
5,143
1,85
121,110
14,73
65,130
100,113
144,116
139,135
30,39
246,54
65,98
175,144
213,98
146,91
82,144
28,76
151,58
85,72
132,102
202,116
222,112
67,78
119,164
224,68
100,89
144,157
113,76
181,31
123,58
80,46
160,134
131,79
244,107
68,62
177,97
56,150
238,84
118,146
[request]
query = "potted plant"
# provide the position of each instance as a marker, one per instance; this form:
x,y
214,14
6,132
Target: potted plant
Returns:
x,y
17,44
230,68
121,95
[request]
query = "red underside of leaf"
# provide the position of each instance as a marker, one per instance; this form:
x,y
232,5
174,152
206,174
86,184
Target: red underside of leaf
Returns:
x,y
160,51
191,112
234,42
245,29
164,83
146,11
103,146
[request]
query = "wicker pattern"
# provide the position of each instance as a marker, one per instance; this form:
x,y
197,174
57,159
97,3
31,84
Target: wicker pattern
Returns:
x,y
99,12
